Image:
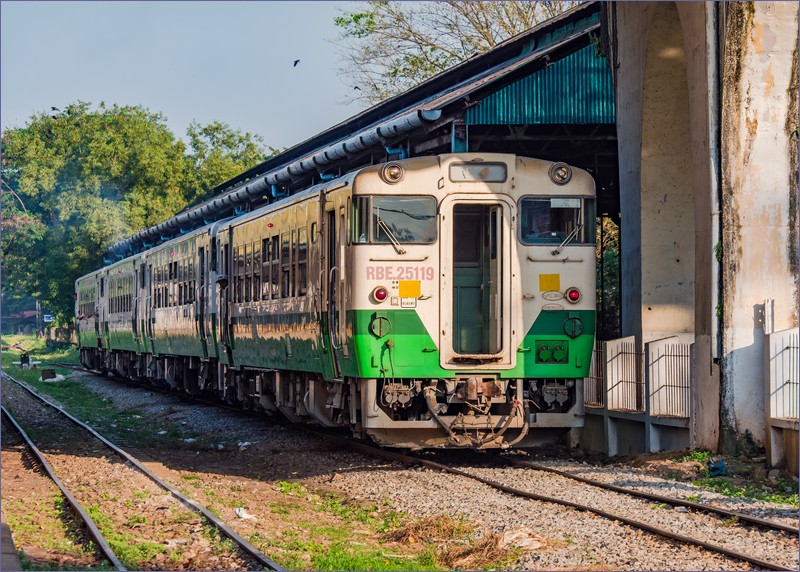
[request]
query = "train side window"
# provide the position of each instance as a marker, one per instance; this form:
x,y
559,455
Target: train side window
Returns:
x,y
360,219
285,265
293,263
302,262
248,273
274,272
256,270
265,281
235,274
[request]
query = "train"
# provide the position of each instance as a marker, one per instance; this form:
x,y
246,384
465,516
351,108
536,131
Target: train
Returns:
x,y
430,302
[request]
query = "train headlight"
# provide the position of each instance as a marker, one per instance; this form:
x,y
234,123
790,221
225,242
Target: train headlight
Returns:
x,y
392,173
560,173
573,295
380,294
560,353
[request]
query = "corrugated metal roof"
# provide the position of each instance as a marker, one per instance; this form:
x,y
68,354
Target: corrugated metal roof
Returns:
x,y
576,89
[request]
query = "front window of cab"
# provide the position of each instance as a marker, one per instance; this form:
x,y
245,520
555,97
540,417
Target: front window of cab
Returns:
x,y
393,219
550,220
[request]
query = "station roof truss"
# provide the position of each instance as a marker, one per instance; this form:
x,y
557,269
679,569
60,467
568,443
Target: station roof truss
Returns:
x,y
544,93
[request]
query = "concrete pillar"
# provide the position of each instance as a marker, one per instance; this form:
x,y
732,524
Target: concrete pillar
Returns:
x,y
759,202
667,208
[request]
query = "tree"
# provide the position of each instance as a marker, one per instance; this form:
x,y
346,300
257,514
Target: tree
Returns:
x,y
389,47
219,153
78,180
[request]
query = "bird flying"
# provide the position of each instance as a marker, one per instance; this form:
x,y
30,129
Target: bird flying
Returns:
x,y
295,63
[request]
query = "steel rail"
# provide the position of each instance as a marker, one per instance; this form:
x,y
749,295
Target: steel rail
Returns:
x,y
105,548
186,501
762,522
411,460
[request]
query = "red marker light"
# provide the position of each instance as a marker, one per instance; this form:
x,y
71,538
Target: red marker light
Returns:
x,y
573,295
380,293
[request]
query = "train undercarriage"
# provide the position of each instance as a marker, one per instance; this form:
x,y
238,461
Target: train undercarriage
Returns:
x,y
465,412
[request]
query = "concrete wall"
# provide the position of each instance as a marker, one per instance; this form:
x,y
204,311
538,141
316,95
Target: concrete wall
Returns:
x,y
759,203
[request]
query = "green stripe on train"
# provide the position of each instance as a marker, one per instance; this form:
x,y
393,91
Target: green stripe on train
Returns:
x,y
407,350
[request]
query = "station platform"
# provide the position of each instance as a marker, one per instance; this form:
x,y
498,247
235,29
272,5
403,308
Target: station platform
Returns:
x,y
10,559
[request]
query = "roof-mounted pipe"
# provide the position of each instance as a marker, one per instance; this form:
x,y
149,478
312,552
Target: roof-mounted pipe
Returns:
x,y
375,135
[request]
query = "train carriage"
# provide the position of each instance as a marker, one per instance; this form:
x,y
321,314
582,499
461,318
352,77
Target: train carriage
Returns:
x,y
441,301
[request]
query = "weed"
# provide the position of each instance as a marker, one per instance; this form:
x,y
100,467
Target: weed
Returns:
x,y
659,506
698,456
694,498
291,489
730,521
675,475
136,519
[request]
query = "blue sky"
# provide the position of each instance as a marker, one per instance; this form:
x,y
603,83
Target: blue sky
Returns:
x,y
202,61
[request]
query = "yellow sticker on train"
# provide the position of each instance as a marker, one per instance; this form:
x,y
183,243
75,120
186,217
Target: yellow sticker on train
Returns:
x,y
410,288
548,282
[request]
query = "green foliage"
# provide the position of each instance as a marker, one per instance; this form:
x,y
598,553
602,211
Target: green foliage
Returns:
x,y
609,324
292,489
389,47
219,153
77,180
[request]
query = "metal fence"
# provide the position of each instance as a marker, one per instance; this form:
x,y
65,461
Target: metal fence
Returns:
x,y
622,376
624,380
593,392
782,372
669,376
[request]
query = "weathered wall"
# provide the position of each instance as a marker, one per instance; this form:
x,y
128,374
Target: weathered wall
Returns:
x,y
759,220
667,209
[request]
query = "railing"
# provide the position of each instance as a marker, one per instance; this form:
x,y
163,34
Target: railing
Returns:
x,y
669,371
622,376
593,392
782,372
624,381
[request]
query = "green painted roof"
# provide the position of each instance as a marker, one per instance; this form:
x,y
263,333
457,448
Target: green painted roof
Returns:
x,y
575,89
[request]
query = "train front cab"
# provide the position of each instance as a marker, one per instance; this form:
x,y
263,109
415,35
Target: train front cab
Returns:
x,y
461,349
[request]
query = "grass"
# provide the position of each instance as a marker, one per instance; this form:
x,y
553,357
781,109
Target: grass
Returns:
x,y
133,553
77,399
54,528
733,485
368,537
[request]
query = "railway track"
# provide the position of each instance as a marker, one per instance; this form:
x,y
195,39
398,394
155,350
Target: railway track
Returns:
x,y
78,510
732,518
116,486
521,471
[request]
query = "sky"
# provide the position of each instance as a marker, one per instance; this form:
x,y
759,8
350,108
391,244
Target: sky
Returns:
x,y
190,61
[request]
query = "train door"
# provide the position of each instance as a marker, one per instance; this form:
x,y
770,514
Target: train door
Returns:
x,y
474,254
225,283
148,309
136,284
97,309
332,270
200,300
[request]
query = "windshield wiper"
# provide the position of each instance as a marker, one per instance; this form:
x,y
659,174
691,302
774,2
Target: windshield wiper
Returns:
x,y
392,237
570,236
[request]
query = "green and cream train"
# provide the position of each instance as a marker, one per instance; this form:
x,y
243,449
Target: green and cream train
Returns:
x,y
444,301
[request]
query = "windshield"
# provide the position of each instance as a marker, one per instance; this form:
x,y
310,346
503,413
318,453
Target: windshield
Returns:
x,y
549,220
397,220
